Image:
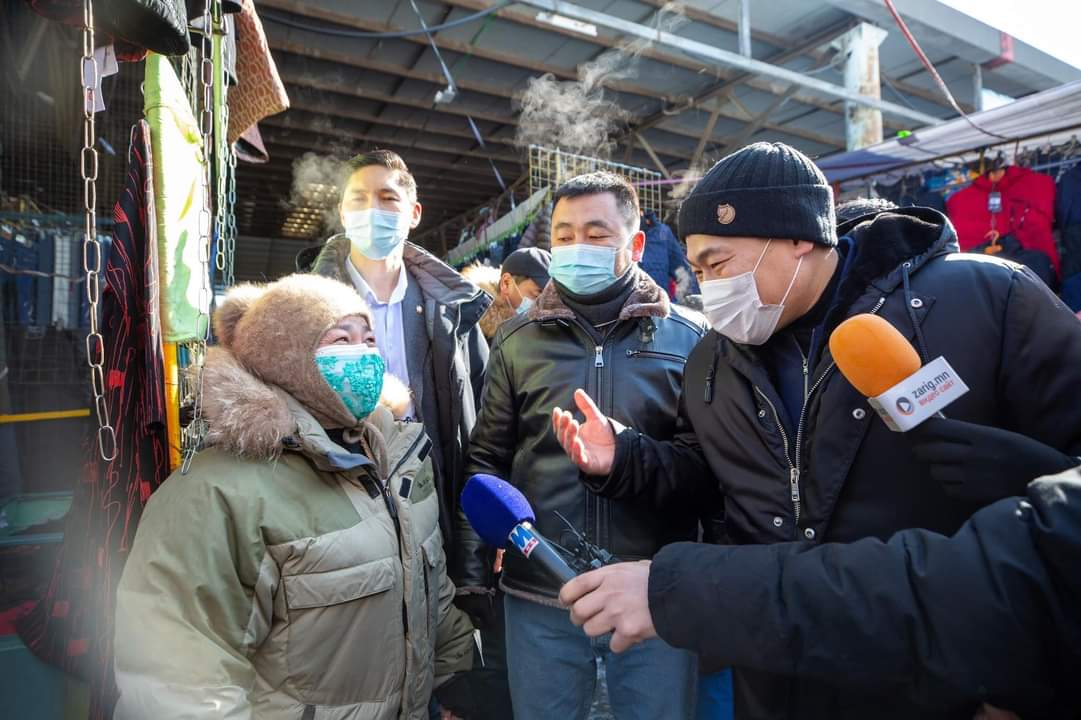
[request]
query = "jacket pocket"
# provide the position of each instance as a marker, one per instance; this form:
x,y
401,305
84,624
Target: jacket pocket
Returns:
x,y
335,620
322,589
655,355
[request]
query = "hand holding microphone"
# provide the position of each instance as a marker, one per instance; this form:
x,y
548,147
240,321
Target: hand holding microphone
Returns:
x,y
974,463
981,464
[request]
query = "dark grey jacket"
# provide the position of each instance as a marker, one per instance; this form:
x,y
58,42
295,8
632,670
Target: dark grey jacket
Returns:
x,y
634,376
844,476
447,355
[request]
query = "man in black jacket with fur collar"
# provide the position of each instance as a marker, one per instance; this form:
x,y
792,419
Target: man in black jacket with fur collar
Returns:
x,y
602,324
793,449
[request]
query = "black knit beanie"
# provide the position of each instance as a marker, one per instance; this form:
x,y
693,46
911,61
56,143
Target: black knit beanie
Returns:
x,y
765,190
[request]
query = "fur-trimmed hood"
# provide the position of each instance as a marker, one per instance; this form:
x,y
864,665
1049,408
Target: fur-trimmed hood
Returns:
x,y
646,300
248,417
883,243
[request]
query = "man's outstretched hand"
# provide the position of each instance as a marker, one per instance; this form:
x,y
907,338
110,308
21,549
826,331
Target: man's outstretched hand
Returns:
x,y
614,599
591,445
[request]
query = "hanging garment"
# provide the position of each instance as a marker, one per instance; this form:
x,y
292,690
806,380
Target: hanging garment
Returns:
x,y
260,91
1026,200
1068,215
72,626
665,260
250,148
1009,248
1071,293
179,179
157,25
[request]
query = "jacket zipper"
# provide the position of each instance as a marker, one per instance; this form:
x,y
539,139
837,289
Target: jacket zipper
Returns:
x,y
794,467
408,454
806,368
793,471
655,354
393,510
598,364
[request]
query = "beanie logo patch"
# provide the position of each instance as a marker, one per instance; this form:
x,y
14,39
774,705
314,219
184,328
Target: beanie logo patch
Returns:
x,y
725,214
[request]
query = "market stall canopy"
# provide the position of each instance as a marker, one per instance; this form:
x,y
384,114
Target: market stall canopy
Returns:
x,y
1044,114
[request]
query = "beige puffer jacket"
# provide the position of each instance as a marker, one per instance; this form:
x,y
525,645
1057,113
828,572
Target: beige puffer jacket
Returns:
x,y
277,584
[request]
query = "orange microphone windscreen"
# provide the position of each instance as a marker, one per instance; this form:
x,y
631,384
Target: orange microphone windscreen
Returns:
x,y
872,354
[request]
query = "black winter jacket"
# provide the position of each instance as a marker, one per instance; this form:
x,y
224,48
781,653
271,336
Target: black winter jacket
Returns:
x,y
992,614
843,475
537,362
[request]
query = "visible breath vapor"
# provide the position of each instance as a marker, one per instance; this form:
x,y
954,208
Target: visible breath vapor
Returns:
x,y
317,182
578,116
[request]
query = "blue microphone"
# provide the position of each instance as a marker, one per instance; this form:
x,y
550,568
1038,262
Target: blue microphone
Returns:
x,y
499,512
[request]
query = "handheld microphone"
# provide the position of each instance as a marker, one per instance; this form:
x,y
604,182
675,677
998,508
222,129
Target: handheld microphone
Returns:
x,y
499,512
882,365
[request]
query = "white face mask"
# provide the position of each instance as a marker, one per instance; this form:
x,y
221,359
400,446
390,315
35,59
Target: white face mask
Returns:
x,y
735,310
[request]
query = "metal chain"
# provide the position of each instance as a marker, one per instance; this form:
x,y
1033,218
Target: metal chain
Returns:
x,y
196,430
88,168
230,233
220,144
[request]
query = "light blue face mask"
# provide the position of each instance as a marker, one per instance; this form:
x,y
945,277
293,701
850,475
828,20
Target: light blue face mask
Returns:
x,y
376,233
523,307
355,373
583,269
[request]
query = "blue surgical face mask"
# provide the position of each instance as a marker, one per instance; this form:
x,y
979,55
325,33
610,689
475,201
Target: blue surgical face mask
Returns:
x,y
523,307
355,374
524,304
583,269
376,233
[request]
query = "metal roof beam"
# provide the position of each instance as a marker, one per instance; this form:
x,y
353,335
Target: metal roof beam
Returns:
x,y
501,91
777,41
417,142
307,9
318,144
730,59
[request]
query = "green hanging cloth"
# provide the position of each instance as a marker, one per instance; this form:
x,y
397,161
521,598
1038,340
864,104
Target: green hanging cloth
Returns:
x,y
179,199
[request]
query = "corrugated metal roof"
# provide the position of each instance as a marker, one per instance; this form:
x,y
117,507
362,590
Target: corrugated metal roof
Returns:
x,y
355,94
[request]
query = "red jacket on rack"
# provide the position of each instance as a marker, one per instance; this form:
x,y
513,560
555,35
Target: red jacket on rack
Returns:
x,y
1028,210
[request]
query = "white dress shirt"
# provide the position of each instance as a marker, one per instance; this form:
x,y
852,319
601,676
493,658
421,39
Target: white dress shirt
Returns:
x,y
389,330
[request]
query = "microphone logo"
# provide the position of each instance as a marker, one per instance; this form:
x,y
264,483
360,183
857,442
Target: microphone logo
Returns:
x,y
524,539
905,406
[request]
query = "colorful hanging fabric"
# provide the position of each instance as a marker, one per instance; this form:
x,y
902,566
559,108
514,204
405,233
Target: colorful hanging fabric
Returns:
x,y
259,91
72,626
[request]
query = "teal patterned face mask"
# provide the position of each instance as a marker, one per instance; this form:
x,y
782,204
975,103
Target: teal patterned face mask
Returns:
x,y
355,373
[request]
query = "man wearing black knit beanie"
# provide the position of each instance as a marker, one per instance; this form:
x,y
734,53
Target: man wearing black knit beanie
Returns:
x,y
788,451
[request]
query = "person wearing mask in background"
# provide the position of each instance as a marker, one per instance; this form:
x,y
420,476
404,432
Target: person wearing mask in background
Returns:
x,y
793,448
990,615
296,570
425,319
603,324
665,261
514,287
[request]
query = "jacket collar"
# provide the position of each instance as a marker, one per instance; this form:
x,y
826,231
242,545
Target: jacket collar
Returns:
x,y
646,300
888,245
437,280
